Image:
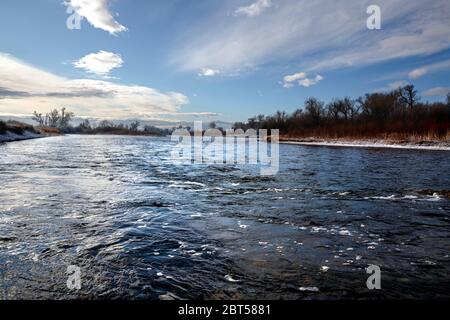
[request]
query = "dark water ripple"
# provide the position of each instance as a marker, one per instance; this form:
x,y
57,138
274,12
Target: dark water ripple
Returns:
x,y
140,227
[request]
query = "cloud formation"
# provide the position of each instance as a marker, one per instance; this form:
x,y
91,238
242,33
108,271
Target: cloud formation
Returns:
x,y
397,84
417,73
391,86
255,9
24,88
97,13
437,92
435,67
301,79
208,72
310,82
100,63
289,79
315,35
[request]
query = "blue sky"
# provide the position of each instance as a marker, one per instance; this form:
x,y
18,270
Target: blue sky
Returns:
x,y
211,59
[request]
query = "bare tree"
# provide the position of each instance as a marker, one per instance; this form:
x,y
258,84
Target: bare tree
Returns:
x,y
134,126
333,109
104,124
408,95
349,107
53,118
314,110
85,125
66,116
38,118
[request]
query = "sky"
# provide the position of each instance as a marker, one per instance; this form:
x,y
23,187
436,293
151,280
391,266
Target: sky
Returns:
x,y
183,60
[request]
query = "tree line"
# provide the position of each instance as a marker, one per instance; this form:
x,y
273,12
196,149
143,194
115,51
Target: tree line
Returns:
x,y
398,113
109,127
53,119
60,120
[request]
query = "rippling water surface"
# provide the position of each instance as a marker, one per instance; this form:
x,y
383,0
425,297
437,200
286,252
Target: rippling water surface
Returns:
x,y
140,227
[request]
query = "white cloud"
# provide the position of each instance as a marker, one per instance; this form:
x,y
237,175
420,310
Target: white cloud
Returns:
x,y
438,66
311,82
397,84
301,79
289,79
437,92
417,73
24,88
316,35
97,13
100,63
255,9
391,86
208,72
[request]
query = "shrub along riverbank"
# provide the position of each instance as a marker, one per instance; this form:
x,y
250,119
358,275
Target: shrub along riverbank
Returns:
x,y
16,131
396,116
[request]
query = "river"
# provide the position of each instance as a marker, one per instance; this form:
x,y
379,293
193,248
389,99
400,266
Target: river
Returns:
x,y
140,227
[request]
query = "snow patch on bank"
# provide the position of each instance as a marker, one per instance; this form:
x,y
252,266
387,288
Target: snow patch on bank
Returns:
x,y
370,144
10,136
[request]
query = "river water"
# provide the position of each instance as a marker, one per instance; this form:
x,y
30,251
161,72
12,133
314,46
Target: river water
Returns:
x,y
140,227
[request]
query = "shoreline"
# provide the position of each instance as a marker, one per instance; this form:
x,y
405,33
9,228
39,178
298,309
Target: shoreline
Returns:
x,y
312,142
368,143
27,135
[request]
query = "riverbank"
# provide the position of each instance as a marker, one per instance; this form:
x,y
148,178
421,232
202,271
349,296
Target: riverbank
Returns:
x,y
369,143
26,135
17,131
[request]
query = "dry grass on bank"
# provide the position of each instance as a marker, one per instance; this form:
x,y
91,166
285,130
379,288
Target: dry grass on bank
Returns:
x,y
388,137
20,128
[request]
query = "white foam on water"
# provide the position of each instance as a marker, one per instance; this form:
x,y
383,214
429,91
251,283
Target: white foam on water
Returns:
x,y
309,289
169,296
196,215
242,226
229,278
193,183
345,232
434,197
